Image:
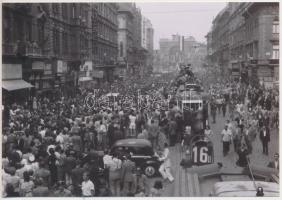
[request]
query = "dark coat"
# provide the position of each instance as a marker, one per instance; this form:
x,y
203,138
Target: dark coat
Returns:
x,y
265,138
272,164
127,171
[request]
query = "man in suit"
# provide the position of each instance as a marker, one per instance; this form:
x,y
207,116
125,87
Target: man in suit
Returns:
x,y
274,164
265,139
153,133
127,175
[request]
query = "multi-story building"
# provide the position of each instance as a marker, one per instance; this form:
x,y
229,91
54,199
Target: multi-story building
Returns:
x,y
147,35
262,41
244,42
50,42
106,45
139,53
125,38
56,46
181,50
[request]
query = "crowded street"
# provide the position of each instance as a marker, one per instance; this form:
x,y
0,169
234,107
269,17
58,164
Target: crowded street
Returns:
x,y
122,119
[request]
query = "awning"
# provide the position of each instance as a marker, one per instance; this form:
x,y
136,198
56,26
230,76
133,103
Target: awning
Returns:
x,y
82,79
11,85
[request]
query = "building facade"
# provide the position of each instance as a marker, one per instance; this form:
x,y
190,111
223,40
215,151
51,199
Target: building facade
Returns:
x,y
60,45
244,42
125,38
106,45
57,47
147,38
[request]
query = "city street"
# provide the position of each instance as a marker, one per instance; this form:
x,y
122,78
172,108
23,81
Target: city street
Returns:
x,y
256,158
106,100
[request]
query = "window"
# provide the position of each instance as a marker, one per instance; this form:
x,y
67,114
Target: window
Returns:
x,y
64,11
73,10
18,28
29,31
275,27
65,44
55,7
56,41
121,49
6,27
40,32
275,51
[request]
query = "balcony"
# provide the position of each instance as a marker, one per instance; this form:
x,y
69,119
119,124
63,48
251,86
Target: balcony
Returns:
x,y
33,51
23,49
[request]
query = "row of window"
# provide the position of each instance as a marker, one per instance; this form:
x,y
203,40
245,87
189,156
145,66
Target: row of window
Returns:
x,y
107,12
107,32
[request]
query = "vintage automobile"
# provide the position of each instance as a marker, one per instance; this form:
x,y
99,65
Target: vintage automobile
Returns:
x,y
141,152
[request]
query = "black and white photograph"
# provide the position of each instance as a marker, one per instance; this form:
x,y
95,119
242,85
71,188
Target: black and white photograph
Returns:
x,y
140,99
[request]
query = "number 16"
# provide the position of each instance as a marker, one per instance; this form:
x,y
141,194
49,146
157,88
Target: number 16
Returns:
x,y
203,156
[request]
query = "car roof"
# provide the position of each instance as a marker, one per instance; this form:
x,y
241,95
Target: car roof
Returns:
x,y
133,142
244,188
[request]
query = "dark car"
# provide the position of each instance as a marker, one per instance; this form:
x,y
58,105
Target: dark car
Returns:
x,y
142,154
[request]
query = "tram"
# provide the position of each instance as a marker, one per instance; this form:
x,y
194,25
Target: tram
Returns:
x,y
188,96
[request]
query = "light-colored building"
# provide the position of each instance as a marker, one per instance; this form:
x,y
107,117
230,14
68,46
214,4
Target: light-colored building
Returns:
x,y
244,42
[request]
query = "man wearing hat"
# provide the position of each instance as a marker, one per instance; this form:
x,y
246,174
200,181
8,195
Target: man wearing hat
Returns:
x,y
275,163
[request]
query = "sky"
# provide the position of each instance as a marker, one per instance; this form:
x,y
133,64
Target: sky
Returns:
x,y
187,19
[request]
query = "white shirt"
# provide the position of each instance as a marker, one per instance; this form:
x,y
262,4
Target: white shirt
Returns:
x,y
165,158
103,128
226,135
208,132
114,164
132,119
107,159
60,138
86,188
42,133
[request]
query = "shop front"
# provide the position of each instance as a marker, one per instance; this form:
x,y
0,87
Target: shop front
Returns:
x,y
265,75
14,88
97,76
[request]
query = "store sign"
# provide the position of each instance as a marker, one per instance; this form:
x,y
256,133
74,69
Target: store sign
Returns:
x,y
38,65
11,71
47,69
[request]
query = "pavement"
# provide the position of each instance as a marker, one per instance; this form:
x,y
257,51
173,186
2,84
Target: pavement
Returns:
x,y
256,158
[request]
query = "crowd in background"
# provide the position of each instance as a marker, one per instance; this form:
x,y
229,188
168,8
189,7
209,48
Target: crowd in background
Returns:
x,y
61,147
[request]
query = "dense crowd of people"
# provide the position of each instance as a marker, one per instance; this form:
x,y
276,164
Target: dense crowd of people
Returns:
x,y
62,147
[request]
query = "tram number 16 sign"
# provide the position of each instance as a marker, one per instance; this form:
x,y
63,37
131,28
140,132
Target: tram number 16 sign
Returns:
x,y
202,151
